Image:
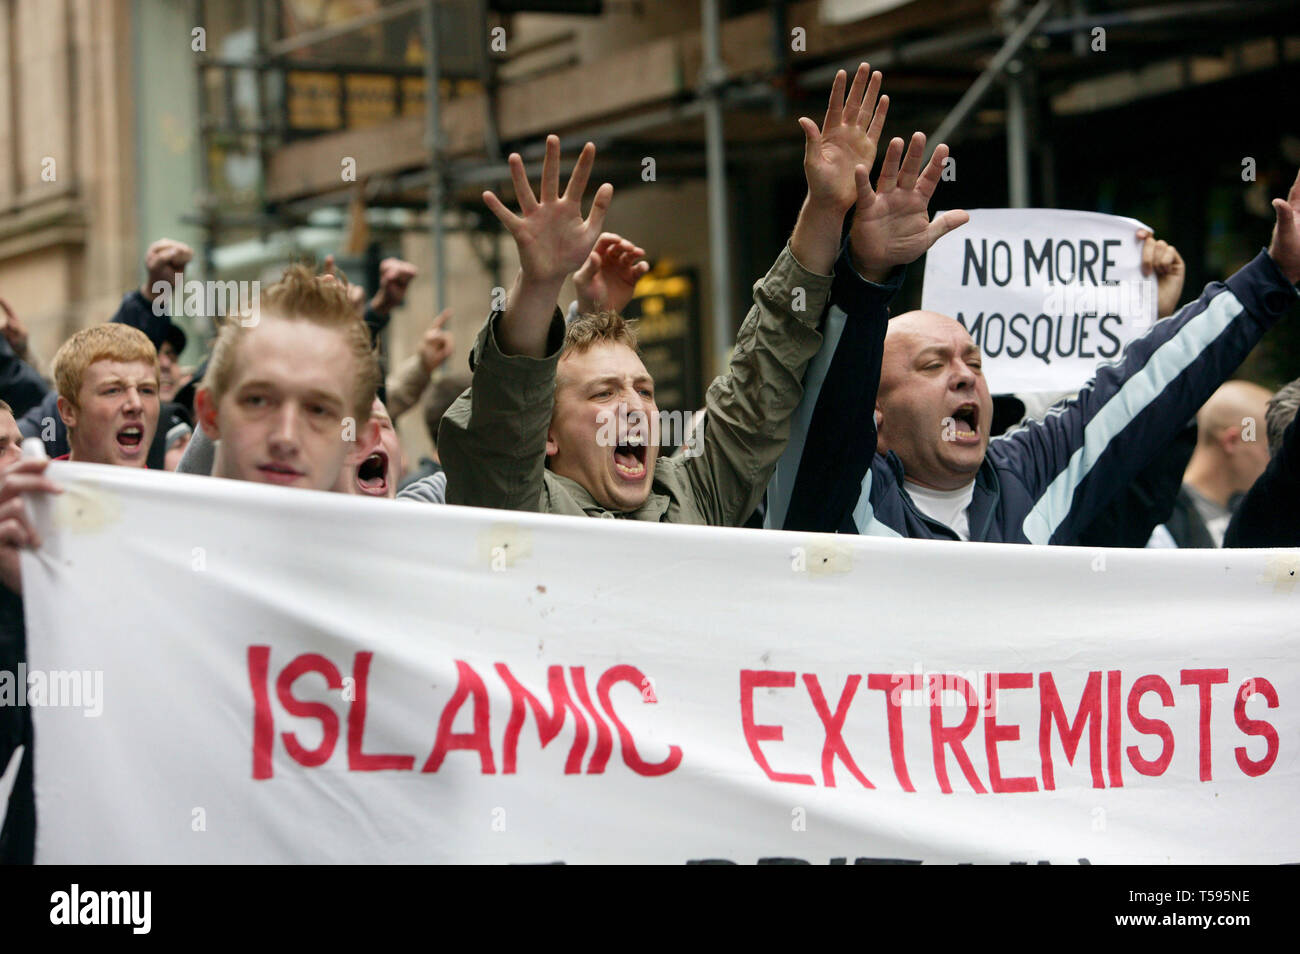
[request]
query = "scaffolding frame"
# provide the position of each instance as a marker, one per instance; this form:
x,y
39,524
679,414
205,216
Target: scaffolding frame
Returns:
x,y
1007,36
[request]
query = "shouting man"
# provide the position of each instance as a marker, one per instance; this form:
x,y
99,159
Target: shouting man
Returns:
x,y
564,420
924,465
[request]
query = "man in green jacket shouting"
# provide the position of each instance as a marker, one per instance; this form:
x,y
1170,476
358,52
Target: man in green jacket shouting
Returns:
x,y
563,420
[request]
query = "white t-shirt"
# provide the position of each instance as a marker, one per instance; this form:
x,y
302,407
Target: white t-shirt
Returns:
x,y
946,506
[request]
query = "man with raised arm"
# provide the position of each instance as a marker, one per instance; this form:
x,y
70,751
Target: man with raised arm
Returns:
x,y
563,420
930,470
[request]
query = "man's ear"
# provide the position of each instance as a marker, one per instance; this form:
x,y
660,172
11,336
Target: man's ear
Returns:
x,y
205,409
552,448
67,411
879,417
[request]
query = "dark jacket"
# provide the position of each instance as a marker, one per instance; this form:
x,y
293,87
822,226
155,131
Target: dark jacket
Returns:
x,y
20,384
1048,480
1146,502
1186,526
1269,516
138,312
18,834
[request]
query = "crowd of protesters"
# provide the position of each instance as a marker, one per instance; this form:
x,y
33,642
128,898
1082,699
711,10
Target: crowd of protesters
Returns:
x,y
893,431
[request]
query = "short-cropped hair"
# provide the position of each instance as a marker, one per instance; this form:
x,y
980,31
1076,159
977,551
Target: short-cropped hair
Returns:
x,y
1282,408
598,327
302,295
108,342
444,396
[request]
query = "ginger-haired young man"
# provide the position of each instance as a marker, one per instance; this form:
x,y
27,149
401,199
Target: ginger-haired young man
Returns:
x,y
288,396
107,380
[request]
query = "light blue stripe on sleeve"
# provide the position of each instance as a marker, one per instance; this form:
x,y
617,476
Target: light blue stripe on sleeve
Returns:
x,y
1138,392
781,486
864,517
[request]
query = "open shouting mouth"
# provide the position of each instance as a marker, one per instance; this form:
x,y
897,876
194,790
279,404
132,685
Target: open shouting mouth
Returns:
x,y
372,475
629,461
130,439
966,424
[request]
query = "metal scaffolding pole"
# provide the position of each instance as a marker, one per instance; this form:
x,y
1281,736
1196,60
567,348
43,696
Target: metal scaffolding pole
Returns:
x,y
433,141
971,98
713,74
1017,138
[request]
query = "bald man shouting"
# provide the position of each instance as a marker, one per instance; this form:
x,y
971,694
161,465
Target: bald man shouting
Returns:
x,y
934,473
1231,454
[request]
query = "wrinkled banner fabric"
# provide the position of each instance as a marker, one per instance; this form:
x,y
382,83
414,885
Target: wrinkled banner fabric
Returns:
x,y
291,676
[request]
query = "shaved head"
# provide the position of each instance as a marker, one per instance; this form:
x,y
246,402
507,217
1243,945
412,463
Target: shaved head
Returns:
x,y
1231,441
1234,402
933,407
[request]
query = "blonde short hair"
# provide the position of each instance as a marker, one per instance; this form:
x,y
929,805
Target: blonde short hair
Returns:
x,y
109,342
598,327
302,295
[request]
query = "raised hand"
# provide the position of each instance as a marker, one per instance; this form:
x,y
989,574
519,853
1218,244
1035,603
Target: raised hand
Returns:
x,y
437,344
394,277
552,236
356,294
1284,249
848,138
163,261
1162,259
13,329
609,275
892,223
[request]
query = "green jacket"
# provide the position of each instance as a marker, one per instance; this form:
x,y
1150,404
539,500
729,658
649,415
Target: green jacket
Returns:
x,y
492,441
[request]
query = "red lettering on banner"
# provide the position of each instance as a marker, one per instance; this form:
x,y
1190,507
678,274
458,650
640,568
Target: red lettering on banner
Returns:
x,y
751,679
833,726
1203,679
359,761
631,758
468,683
263,721
1251,687
891,685
1113,728
994,733
329,720
1147,726
604,739
1071,733
953,736
548,727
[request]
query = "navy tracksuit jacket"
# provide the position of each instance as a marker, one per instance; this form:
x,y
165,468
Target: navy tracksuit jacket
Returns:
x,y
1044,482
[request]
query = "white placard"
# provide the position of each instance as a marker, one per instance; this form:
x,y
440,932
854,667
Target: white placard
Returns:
x,y
1046,294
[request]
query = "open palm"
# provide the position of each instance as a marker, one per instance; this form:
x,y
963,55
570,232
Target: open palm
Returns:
x,y
848,138
1285,245
551,235
892,223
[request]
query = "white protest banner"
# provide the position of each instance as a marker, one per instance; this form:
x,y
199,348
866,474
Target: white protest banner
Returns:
x,y
292,676
1046,294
